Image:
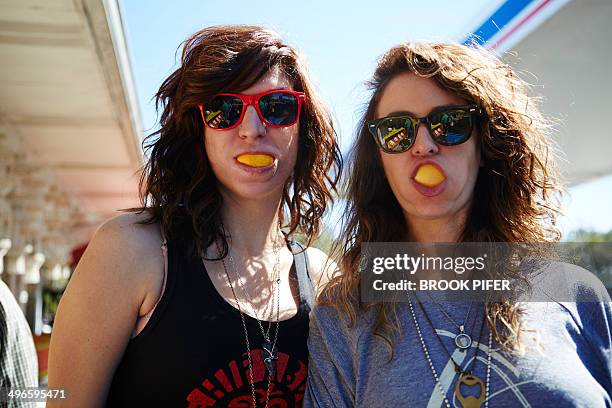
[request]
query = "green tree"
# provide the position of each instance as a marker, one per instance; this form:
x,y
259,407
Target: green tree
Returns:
x,y
584,235
595,252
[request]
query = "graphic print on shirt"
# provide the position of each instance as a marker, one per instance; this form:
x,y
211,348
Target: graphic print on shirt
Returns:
x,y
230,386
500,367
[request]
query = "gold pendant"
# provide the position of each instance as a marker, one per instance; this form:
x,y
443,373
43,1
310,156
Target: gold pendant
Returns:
x,y
469,401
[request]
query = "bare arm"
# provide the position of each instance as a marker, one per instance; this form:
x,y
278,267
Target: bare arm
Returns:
x,y
112,285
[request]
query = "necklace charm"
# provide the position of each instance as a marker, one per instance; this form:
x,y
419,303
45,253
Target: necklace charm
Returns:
x,y
470,380
269,357
463,340
269,352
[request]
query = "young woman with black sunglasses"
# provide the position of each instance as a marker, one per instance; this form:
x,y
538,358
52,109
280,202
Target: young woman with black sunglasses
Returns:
x,y
200,298
451,149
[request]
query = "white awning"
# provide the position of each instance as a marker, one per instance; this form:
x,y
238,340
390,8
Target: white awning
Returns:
x,y
67,93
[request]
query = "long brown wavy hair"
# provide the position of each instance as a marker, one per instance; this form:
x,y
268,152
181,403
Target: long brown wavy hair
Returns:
x,y
517,194
178,188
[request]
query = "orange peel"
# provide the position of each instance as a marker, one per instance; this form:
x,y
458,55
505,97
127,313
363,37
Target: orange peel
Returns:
x,y
255,160
429,175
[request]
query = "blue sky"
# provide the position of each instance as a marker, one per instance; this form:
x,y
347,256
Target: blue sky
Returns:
x,y
341,41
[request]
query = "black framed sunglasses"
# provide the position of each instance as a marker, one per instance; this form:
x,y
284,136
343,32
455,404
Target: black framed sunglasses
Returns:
x,y
448,126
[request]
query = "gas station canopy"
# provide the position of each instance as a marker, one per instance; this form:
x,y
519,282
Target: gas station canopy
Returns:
x,y
563,48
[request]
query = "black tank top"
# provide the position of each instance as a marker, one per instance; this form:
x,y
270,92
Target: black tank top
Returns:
x,y
192,351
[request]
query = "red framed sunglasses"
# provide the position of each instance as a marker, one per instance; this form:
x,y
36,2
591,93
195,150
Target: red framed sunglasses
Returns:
x,y
276,109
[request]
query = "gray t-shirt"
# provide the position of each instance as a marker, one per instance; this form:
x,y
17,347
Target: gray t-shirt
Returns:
x,y
567,362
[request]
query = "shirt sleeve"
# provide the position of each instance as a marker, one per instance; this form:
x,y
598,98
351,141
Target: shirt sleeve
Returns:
x,y
331,376
18,360
590,306
596,322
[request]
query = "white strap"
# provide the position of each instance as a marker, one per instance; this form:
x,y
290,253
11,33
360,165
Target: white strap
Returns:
x,y
302,269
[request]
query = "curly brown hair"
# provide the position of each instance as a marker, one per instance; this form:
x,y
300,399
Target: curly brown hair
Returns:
x,y
178,188
517,194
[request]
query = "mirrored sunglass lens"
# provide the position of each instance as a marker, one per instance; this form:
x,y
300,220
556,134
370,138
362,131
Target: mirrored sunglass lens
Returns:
x,y
395,134
451,127
280,109
222,112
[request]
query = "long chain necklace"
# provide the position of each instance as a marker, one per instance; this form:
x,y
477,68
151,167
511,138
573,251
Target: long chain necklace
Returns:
x,y
269,346
458,368
463,341
465,378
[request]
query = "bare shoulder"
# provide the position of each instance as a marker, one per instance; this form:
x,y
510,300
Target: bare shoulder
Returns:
x,y
129,248
322,267
118,278
128,228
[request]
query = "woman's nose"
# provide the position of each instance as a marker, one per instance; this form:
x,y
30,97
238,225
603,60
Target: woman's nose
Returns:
x,y
251,127
424,144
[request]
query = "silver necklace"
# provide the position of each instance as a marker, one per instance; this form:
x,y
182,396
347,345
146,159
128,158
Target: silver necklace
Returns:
x,y
463,341
269,347
468,379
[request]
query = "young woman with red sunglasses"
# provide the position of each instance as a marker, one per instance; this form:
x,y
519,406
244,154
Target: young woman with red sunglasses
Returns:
x,y
451,149
200,298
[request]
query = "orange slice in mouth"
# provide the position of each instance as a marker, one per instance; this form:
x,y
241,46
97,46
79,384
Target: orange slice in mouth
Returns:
x,y
256,160
429,175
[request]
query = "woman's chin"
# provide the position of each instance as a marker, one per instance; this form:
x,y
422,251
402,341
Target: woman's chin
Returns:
x,y
430,211
257,191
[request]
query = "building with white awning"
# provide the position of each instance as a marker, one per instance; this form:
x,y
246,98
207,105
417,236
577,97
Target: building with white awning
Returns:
x,y
69,136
